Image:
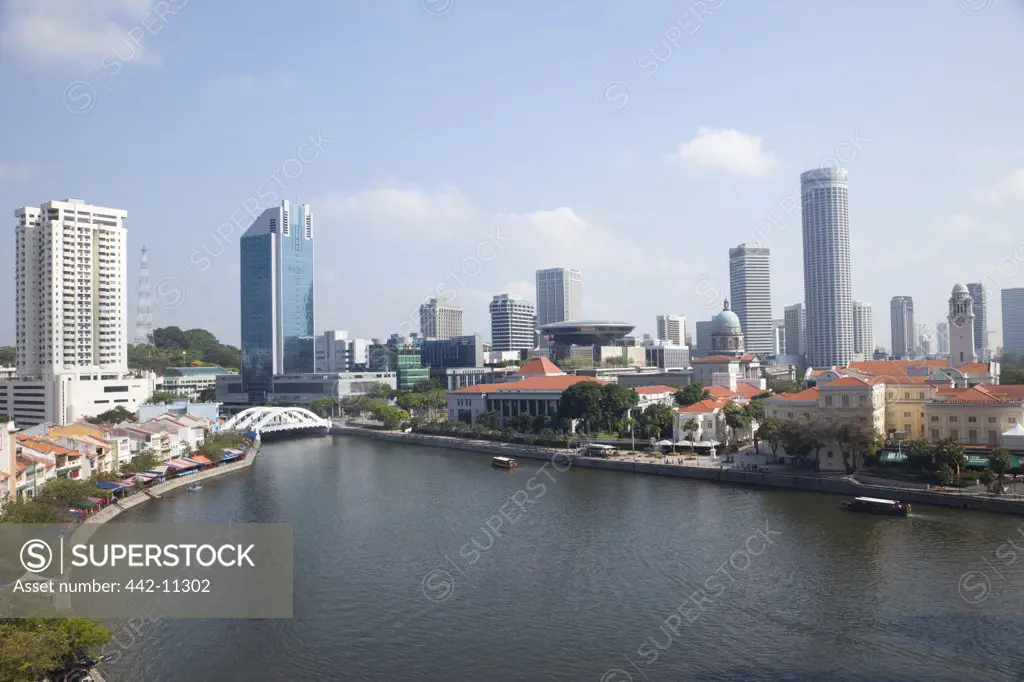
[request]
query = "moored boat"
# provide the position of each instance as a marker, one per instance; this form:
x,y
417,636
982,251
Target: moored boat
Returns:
x,y
504,462
194,487
876,505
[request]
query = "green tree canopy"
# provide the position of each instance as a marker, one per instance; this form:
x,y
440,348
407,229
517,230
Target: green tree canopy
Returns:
x,y
657,420
36,648
770,431
322,407
999,461
693,393
615,402
172,347
8,355
68,492
582,401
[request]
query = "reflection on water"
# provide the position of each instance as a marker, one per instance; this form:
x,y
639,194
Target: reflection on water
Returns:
x,y
424,564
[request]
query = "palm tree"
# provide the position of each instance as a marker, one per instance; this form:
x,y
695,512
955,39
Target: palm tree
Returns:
x,y
690,426
999,461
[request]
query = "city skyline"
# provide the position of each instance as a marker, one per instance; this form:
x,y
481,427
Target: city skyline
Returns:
x,y
446,217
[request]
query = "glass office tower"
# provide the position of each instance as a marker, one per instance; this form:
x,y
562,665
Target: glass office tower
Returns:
x,y
276,297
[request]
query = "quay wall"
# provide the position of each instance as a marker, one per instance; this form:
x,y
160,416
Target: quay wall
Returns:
x,y
821,484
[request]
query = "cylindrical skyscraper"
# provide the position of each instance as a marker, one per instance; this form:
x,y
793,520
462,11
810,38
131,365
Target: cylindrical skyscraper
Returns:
x,y
828,294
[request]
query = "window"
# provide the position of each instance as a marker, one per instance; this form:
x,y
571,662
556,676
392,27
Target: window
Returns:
x,y
906,396
906,415
954,420
863,400
830,454
954,434
920,396
993,437
934,418
972,420
907,429
991,420
846,401
828,401
1011,420
789,415
972,435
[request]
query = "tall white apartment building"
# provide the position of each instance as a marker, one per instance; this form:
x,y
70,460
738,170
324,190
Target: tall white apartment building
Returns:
x,y
71,324
751,295
513,323
439,319
558,295
672,328
796,323
828,290
863,331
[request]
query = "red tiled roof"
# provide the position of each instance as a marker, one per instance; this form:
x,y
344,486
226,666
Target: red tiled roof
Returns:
x,y
748,391
703,407
807,394
1009,391
655,389
974,368
539,367
545,384
847,381
720,392
716,359
748,357
40,445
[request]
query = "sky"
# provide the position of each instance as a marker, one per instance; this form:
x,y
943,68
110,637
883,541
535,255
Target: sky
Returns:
x,y
454,147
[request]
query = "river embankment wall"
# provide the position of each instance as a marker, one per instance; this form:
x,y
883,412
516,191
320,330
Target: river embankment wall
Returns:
x,y
831,485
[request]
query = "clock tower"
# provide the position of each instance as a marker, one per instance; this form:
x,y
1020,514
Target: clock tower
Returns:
x,y
961,327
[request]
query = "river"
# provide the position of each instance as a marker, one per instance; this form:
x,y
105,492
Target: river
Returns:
x,y
425,564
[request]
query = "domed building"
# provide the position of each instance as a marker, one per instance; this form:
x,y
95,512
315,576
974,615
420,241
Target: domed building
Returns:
x,y
729,364
726,333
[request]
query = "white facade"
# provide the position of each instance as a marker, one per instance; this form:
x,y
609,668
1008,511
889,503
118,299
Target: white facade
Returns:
x,y
751,297
334,351
863,331
1013,320
558,295
828,291
71,292
439,319
942,338
901,320
672,328
71,315
513,323
961,327
796,323
779,337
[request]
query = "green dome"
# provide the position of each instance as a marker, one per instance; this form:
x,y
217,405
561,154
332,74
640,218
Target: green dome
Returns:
x,y
726,321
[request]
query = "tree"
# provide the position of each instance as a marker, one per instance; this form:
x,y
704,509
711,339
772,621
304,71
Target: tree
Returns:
x,y
582,401
949,453
17,511
490,420
42,648
986,478
426,385
392,416
920,455
170,338
618,361
208,395
855,436
735,418
115,416
755,409
999,461
322,407
616,401
693,393
657,419
8,356
690,426
770,431
68,492
146,460
382,390
409,401
524,422
4,417
783,386
163,397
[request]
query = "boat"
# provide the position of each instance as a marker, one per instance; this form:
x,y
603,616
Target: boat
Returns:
x,y
194,487
875,505
504,462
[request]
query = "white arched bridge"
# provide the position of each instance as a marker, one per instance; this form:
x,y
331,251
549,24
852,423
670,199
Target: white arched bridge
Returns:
x,y
263,420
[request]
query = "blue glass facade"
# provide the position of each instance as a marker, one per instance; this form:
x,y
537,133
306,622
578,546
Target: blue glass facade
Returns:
x,y
276,268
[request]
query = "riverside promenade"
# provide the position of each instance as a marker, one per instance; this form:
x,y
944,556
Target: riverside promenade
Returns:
x,y
828,484
154,493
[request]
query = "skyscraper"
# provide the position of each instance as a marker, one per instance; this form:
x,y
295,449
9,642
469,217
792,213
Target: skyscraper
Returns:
x,y
1013,320
828,293
863,331
513,323
439,319
977,292
751,297
904,333
796,324
558,295
942,337
276,263
672,328
71,317
703,345
144,311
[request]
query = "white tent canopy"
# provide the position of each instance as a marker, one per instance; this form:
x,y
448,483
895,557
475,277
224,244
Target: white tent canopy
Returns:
x,y
1013,439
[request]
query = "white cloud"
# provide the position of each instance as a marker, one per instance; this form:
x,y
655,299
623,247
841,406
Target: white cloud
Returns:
x,y
1007,189
12,171
50,33
390,209
727,149
959,224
